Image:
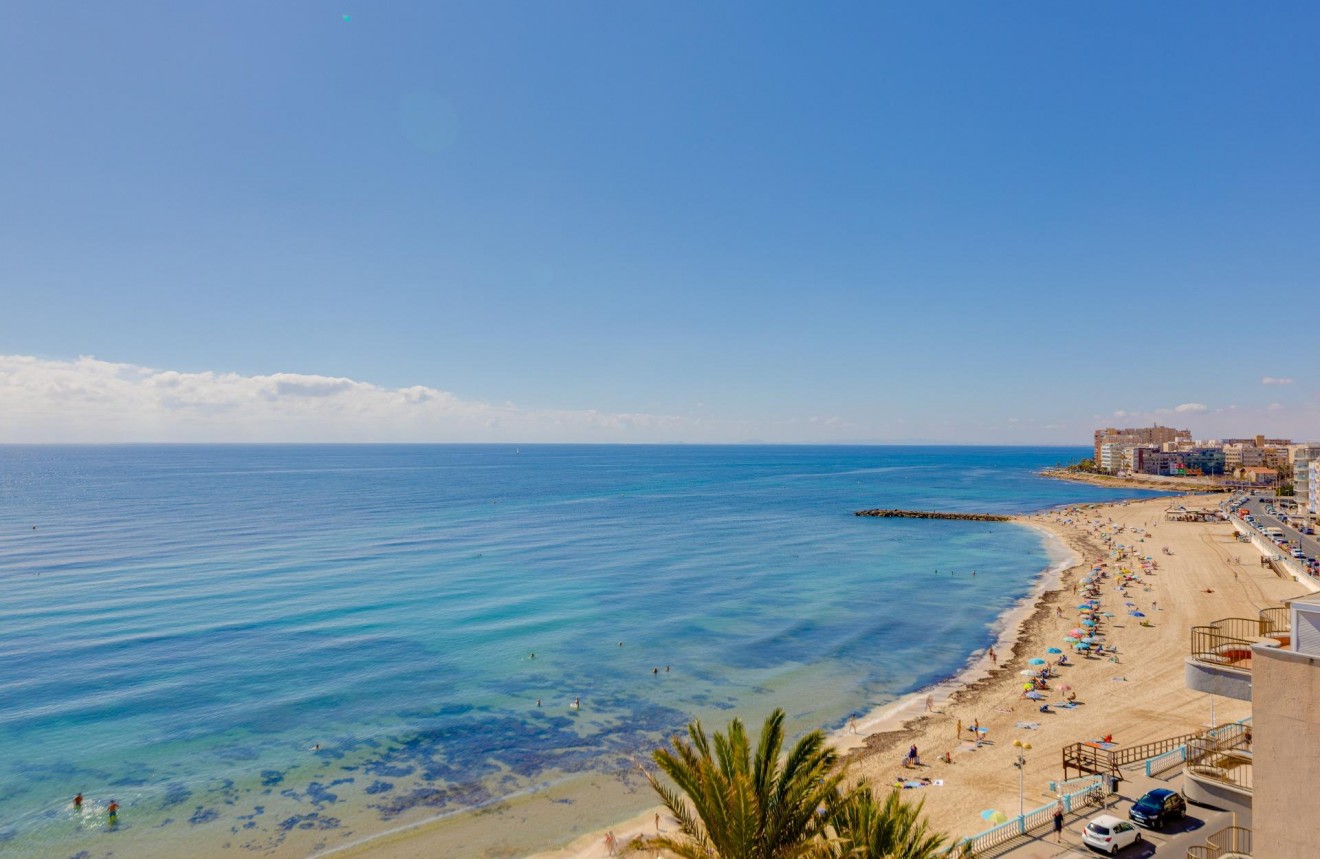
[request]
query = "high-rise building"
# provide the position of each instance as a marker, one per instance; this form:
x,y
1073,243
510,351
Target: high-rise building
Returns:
x,y
1153,435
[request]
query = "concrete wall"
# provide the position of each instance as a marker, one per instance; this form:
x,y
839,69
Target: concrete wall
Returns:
x,y
1286,749
1268,547
1217,679
1213,793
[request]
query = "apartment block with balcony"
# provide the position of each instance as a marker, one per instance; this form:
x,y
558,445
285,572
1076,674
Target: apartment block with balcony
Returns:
x,y
1303,457
1154,435
1286,737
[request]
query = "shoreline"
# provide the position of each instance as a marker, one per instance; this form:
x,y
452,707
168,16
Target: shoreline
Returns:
x,y
890,719
1183,485
1152,702
894,718
1007,631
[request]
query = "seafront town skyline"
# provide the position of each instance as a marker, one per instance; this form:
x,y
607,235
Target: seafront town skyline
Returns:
x,y
1257,461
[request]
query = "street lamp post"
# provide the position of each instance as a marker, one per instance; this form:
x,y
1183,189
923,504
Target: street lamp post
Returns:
x,y
1021,764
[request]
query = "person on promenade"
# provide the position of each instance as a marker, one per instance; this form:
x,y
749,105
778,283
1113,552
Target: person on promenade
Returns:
x,y
959,733
1058,822
852,724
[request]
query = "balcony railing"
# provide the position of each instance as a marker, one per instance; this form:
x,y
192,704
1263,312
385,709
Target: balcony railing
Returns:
x,y
1228,641
1224,757
1213,647
1233,841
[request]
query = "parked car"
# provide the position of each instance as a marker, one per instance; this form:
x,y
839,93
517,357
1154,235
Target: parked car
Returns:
x,y
1109,834
1157,808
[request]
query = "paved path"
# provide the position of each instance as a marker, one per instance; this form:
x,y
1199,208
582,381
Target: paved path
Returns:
x,y
1172,843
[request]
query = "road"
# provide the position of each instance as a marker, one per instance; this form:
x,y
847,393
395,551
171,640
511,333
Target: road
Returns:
x,y
1258,504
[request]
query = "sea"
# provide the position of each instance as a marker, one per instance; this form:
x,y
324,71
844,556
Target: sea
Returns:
x,y
287,650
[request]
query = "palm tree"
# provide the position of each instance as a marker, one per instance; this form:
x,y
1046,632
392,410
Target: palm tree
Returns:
x,y
730,804
890,829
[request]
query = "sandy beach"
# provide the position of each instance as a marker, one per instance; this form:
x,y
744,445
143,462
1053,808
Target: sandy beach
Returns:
x,y
1138,697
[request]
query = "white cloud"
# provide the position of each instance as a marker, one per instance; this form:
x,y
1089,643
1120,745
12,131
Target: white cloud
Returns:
x,y
89,400
1275,380
1274,407
1190,409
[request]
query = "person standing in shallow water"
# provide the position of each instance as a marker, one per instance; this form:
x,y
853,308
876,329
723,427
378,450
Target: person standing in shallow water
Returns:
x,y
77,802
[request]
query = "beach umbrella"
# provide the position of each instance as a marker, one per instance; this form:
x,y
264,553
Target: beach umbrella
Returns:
x,y
1137,613
1036,661
1086,606
1090,639
1077,633
1035,696
1053,650
1027,672
992,816
1065,687
1028,686
1088,623
1129,604
1108,614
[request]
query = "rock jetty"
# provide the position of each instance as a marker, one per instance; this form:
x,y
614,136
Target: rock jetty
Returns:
x,y
921,514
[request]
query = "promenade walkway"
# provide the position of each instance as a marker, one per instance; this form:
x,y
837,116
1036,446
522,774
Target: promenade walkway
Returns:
x,y
1172,843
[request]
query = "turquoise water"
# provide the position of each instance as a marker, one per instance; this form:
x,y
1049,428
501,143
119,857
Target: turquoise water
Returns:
x,y
249,644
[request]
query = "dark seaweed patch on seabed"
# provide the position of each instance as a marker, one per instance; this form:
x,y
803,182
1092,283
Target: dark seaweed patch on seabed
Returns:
x,y
270,778
464,752
316,793
203,815
176,793
312,820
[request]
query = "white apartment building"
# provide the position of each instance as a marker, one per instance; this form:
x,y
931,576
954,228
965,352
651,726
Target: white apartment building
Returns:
x,y
1313,488
1304,484
1113,455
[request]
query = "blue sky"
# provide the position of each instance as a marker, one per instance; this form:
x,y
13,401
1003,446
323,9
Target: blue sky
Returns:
x,y
999,222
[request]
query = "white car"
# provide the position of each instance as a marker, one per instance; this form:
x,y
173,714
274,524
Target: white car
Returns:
x,y
1109,833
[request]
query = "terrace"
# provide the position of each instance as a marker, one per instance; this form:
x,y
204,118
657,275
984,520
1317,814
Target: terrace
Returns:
x,y
1221,655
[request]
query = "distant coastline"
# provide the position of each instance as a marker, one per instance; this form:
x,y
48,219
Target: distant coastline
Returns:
x,y
1140,481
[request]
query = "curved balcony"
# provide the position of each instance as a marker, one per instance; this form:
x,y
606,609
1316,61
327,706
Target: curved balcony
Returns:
x,y
1220,660
1219,771
1233,842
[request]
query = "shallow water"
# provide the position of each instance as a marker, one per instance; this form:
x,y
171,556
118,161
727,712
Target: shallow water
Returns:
x,y
297,646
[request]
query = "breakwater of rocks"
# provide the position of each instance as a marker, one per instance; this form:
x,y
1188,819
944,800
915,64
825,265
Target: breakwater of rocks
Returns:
x,y
921,514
